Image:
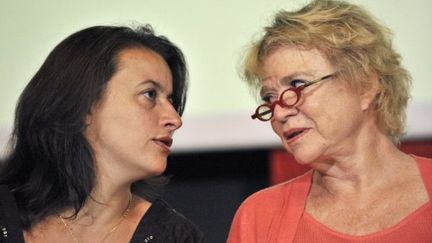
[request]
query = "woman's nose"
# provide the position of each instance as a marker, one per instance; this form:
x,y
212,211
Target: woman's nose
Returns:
x,y
171,119
282,113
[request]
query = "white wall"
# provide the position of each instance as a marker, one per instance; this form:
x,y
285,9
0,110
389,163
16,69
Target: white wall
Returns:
x,y
212,34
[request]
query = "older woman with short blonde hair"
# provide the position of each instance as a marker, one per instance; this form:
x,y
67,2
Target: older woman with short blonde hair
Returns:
x,y
335,92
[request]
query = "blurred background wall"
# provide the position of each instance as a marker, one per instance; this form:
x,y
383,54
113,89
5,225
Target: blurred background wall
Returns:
x,y
212,35
219,152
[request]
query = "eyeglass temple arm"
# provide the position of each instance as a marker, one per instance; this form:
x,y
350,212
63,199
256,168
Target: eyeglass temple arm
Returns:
x,y
320,79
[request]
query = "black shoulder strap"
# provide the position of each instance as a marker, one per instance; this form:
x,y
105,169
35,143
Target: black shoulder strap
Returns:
x,y
10,224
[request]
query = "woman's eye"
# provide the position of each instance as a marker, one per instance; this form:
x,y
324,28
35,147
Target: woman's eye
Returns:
x,y
150,94
171,100
268,99
297,83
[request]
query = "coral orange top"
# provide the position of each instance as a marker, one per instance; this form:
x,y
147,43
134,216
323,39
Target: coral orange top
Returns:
x,y
276,214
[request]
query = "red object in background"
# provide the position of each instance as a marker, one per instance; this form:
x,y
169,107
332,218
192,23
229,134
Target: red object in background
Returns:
x,y
283,166
420,148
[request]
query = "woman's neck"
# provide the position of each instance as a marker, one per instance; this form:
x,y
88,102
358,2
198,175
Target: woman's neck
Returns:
x,y
106,203
372,165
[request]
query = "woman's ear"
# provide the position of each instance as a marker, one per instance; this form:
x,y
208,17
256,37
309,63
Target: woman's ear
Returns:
x,y
88,119
369,94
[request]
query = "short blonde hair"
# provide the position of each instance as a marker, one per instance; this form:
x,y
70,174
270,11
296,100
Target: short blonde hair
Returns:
x,y
352,40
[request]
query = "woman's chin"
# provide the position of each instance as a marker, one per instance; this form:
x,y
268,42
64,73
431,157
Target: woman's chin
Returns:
x,y
305,157
156,169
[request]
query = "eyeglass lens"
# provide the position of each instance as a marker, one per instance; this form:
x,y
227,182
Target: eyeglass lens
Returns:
x,y
289,98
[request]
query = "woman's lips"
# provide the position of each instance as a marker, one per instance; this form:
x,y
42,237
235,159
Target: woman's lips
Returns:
x,y
164,142
294,134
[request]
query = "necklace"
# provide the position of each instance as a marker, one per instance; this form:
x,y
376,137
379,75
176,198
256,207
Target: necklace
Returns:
x,y
112,230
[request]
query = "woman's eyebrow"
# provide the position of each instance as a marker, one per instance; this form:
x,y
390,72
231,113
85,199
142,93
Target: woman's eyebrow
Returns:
x,y
263,90
286,80
155,83
157,86
150,81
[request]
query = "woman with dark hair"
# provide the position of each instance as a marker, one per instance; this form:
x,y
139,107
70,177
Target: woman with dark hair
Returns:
x,y
93,130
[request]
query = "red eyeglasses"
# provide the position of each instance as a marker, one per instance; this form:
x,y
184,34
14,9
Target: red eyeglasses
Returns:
x,y
287,99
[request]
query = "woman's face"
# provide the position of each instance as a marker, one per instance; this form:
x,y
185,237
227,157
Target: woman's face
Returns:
x,y
131,128
327,120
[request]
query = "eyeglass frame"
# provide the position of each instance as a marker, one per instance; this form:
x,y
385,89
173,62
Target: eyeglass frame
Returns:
x,y
281,103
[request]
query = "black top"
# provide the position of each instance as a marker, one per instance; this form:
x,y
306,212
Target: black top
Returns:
x,y
159,224
163,224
